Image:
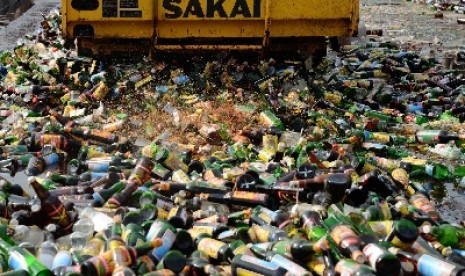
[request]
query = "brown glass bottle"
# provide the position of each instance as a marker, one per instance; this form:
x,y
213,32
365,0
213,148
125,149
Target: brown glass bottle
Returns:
x,y
52,207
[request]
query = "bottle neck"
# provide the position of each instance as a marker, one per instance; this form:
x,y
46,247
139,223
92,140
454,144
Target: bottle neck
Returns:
x,y
41,192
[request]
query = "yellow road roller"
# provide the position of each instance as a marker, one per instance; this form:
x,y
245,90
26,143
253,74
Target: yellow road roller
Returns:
x,y
104,26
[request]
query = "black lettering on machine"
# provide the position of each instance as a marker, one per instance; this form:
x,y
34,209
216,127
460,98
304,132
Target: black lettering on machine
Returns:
x,y
212,9
129,4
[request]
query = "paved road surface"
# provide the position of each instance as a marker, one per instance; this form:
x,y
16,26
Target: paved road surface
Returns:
x,y
26,23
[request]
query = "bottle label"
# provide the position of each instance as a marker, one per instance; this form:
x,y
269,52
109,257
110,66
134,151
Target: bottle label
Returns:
x,y
428,136
168,240
265,217
249,196
245,272
387,164
373,253
51,159
17,261
347,268
163,206
429,170
431,266
203,229
291,267
115,243
270,143
381,228
343,236
260,234
98,166
415,161
150,151
178,212
171,161
210,247
140,174
102,134
265,155
381,137
401,176
423,204
52,139
259,264
181,177
121,256
60,216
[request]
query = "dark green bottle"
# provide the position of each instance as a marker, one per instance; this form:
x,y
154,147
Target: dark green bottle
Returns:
x,y
174,260
20,258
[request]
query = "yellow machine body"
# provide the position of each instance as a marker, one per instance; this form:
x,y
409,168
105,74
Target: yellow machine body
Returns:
x,y
208,24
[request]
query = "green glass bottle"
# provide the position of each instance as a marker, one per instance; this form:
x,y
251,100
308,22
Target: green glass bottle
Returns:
x,y
20,258
446,234
404,233
459,171
438,171
216,250
312,225
63,179
173,260
433,137
297,249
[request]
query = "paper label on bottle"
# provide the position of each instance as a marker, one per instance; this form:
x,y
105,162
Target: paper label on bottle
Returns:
x,y
373,253
270,143
265,217
162,214
431,266
98,166
203,229
210,247
415,161
168,240
381,137
60,216
51,139
261,234
291,267
249,196
429,170
400,244
260,265
428,136
381,228
344,236
171,162
17,261
401,176
423,204
346,268
245,272
265,155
